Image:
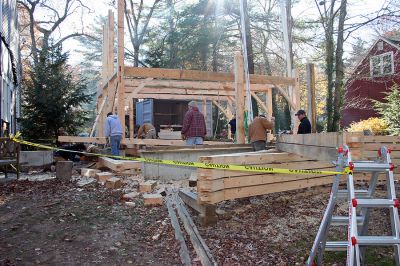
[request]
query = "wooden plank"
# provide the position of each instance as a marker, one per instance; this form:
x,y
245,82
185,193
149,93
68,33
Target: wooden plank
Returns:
x,y
147,90
261,103
331,139
119,165
249,158
72,139
325,154
178,97
209,174
111,37
131,119
240,98
377,146
383,139
121,65
183,250
311,106
202,251
194,85
180,74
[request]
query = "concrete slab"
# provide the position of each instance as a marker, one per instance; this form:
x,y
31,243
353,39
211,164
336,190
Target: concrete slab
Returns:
x,y
169,172
36,158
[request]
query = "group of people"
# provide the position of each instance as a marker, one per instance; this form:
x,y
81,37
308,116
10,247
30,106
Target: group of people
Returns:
x,y
260,124
194,129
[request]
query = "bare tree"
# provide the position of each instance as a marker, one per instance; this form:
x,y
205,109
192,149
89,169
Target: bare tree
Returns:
x,y
41,32
138,23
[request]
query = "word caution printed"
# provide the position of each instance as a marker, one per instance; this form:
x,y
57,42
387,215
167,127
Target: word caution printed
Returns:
x,y
232,167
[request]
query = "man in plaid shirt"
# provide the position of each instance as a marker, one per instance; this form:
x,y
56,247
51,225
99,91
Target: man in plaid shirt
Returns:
x,y
194,125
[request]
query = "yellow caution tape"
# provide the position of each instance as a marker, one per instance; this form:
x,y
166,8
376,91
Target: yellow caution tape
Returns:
x,y
231,167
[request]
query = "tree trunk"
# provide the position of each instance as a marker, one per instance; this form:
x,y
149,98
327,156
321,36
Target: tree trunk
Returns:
x,y
330,56
338,94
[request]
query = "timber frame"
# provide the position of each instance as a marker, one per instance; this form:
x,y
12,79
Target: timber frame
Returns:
x,y
121,85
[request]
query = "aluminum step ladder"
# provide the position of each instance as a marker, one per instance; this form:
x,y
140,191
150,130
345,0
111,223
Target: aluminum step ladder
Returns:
x,y
362,200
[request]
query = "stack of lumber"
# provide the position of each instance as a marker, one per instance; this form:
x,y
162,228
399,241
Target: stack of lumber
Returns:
x,y
218,185
120,166
323,146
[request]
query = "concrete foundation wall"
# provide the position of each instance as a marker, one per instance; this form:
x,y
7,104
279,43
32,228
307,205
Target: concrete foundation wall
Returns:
x,y
36,158
167,172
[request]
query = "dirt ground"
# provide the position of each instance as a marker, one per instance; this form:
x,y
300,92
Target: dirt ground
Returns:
x,y
54,222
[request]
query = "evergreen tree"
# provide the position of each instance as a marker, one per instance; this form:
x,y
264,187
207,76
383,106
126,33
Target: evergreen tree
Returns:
x,y
52,97
390,110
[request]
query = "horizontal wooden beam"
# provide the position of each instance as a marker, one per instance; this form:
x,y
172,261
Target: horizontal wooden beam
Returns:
x,y
193,85
179,91
177,97
149,142
180,74
119,165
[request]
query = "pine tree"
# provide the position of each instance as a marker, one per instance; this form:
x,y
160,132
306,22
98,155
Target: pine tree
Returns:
x,y
52,97
390,110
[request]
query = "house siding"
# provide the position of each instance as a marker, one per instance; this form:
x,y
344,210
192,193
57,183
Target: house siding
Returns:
x,y
361,88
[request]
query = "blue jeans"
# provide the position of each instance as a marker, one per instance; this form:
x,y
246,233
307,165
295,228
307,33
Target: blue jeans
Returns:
x,y
115,141
194,141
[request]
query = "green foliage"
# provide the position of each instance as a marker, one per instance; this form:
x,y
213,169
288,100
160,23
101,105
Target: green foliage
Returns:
x,y
390,110
52,97
376,125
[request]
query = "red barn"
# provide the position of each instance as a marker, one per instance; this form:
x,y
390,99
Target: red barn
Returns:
x,y
377,72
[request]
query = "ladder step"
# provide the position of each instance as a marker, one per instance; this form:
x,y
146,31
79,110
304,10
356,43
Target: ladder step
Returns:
x,y
378,240
370,167
377,203
344,220
360,194
336,246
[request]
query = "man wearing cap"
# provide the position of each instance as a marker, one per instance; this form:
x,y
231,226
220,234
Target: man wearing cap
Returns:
x,y
305,125
194,125
257,132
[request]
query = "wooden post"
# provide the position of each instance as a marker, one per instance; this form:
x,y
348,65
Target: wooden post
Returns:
x,y
131,116
121,66
268,102
311,107
205,112
240,101
111,36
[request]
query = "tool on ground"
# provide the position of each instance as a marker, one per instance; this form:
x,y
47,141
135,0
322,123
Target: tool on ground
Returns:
x,y
360,202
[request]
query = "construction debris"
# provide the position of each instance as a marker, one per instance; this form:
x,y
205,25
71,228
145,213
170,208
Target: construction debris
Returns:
x,y
87,172
153,199
114,182
103,176
147,186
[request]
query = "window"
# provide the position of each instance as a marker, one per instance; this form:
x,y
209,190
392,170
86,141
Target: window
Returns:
x,y
381,65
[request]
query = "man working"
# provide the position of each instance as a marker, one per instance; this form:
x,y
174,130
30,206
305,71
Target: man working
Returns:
x,y
194,126
146,131
113,130
305,125
257,132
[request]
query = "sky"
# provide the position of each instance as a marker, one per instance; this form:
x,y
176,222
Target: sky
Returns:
x,y
305,8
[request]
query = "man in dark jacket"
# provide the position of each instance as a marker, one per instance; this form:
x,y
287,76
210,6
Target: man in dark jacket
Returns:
x,y
194,126
305,125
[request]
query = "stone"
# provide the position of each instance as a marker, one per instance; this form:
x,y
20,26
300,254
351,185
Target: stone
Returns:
x,y
114,182
64,169
130,204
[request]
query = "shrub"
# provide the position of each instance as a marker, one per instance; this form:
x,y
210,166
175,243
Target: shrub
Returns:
x,y
389,109
376,125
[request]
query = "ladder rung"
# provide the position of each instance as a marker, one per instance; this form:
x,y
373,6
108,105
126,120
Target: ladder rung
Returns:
x,y
377,203
370,166
344,220
336,245
378,240
360,194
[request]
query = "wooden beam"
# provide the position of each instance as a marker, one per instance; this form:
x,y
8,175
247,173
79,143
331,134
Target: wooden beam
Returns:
x,y
262,105
74,139
111,36
119,165
135,90
193,85
131,119
311,106
178,97
225,112
240,98
121,66
207,212
139,87
180,74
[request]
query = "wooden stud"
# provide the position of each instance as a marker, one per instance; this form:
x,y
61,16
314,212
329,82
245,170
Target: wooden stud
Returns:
x,y
177,97
131,119
114,183
103,176
311,106
121,65
240,98
147,186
